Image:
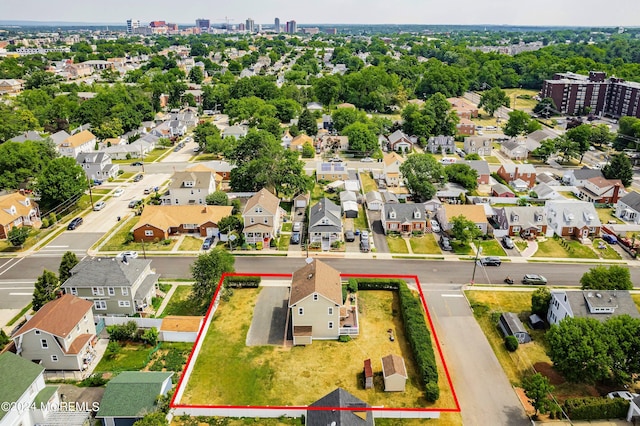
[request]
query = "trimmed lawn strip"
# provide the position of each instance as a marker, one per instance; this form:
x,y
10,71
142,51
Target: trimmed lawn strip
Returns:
x,y
634,296
283,242
607,252
228,372
191,244
397,245
155,154
286,227
490,247
20,314
606,214
181,303
116,243
360,222
426,244
368,184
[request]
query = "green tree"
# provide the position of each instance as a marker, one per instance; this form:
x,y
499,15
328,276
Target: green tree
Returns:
x,y
18,235
196,75
614,277
203,131
546,149
540,300
462,174
537,388
464,230
217,198
545,107
69,260
207,271
343,117
600,135
307,123
446,120
491,100
153,419
361,139
422,172
473,156
308,151
581,136
61,180
230,223
619,167
520,123
624,332
45,289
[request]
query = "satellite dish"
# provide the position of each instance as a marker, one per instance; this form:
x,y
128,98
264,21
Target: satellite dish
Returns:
x,y
232,237
309,260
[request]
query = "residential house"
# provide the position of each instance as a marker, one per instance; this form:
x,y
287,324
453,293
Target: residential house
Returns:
x,y
522,221
340,408
441,144
514,149
317,310
262,215
189,188
137,149
399,142
131,395
512,172
500,190
222,168
30,135
547,178
178,128
10,85
74,71
482,168
314,106
432,205
374,200
394,373
534,140
403,218
510,325
22,385
478,145
298,142
542,191
325,223
597,304
346,105
601,190
451,193
114,286
578,177
628,208
160,222
17,210
236,131
463,108
83,141
97,165
286,139
59,137
472,212
60,336
570,218
389,197
331,172
391,169
466,127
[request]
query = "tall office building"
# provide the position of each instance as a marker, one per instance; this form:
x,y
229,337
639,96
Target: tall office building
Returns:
x,y
203,24
276,25
292,27
250,25
132,24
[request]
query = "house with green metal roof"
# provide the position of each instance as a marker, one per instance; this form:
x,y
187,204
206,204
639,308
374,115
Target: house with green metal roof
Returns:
x,y
22,386
131,395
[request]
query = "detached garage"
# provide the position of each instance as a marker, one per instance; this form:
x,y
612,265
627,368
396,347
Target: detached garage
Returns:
x,y
511,325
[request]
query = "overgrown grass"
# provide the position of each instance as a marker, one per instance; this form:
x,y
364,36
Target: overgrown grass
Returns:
x,y
490,247
283,243
286,227
181,303
426,244
360,222
520,103
132,357
368,184
397,245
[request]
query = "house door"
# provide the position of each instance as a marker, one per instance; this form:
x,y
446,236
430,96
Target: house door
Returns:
x,y
585,233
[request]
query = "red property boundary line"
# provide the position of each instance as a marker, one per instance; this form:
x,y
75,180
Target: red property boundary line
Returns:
x,y
456,409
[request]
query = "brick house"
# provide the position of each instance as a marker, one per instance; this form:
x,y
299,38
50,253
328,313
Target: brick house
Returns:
x,y
601,190
159,222
513,172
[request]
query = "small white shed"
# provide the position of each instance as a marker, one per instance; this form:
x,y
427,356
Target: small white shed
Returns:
x,y
394,373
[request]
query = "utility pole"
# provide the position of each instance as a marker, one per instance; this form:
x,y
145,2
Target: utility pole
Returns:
x,y
475,264
90,193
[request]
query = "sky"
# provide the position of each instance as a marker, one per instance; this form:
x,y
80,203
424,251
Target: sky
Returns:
x,y
611,13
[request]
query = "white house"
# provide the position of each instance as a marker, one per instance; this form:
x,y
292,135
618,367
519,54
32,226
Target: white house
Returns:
x,y
83,141
97,165
597,304
188,188
628,208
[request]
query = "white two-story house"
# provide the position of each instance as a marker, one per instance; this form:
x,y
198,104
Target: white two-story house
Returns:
x,y
261,217
97,165
189,187
83,141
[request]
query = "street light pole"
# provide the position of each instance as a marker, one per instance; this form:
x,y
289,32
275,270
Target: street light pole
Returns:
x,y
475,264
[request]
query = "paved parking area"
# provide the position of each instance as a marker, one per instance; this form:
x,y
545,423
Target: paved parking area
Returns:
x,y
379,238
269,317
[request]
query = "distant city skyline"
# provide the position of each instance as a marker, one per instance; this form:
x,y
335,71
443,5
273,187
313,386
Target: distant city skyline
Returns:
x,y
427,12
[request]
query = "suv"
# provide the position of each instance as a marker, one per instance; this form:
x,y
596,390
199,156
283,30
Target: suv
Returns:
x,y
611,239
364,235
490,261
349,236
74,223
99,206
534,279
364,246
507,242
206,245
295,238
445,244
138,178
134,203
297,226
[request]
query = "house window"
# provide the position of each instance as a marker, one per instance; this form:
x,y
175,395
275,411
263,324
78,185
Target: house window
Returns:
x,y
37,332
300,311
315,296
54,358
97,291
74,291
100,305
124,304
515,229
251,220
330,325
570,230
330,310
266,221
111,291
148,233
44,344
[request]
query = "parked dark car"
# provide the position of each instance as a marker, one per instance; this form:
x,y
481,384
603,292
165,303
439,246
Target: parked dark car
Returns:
x,y
134,203
507,242
206,245
349,236
136,163
534,279
138,178
490,261
295,238
364,246
74,223
445,244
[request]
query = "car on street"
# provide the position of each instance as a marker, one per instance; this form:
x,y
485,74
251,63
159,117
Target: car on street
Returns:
x,y
99,206
490,261
137,163
335,160
435,226
349,236
138,177
295,238
206,245
128,254
534,279
118,192
445,243
74,223
507,242
367,160
134,203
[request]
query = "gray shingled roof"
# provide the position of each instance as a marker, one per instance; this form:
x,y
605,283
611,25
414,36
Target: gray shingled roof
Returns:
x,y
404,212
109,272
325,208
621,299
632,199
340,398
586,173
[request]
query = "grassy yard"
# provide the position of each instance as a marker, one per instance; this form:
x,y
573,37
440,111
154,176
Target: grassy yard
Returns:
x,y
459,248
490,247
286,227
521,244
180,303
283,242
229,372
132,357
155,154
426,244
124,176
521,104
397,245
605,215
368,184
116,243
492,160
636,300
35,235
360,222
191,243
552,247
607,252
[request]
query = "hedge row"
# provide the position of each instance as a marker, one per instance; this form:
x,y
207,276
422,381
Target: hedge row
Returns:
x,y
596,408
235,281
415,328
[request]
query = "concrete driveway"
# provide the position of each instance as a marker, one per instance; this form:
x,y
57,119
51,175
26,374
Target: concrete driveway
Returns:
x,y
379,238
269,317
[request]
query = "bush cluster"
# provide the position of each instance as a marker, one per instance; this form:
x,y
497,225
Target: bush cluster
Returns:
x,y
236,281
378,284
131,332
596,408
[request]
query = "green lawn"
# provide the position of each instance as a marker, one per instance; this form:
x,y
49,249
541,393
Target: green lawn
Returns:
x,y
426,244
191,243
606,214
459,248
132,357
283,243
286,227
571,249
360,222
521,104
521,244
368,184
492,160
607,252
116,243
490,247
397,245
181,303
124,176
155,154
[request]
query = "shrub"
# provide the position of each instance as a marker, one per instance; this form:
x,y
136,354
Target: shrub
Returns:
x,y
432,392
352,285
259,245
129,238
45,222
123,332
93,380
150,336
166,241
596,408
344,338
511,343
226,294
237,281
52,218
112,351
273,243
378,284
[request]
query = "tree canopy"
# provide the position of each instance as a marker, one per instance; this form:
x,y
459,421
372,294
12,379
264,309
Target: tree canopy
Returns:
x,y
61,180
464,230
462,174
619,167
45,289
69,260
493,99
422,173
520,123
207,271
614,277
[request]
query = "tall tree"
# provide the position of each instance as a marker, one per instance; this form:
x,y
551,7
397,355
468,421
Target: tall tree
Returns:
x,y
581,136
540,299
69,260
613,277
462,174
45,289
619,167
520,123
61,180
361,139
307,123
493,99
422,172
18,235
445,119
196,75
207,271
537,388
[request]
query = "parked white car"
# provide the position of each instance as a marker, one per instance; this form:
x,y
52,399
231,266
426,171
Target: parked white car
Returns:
x,y
99,205
118,192
435,226
127,254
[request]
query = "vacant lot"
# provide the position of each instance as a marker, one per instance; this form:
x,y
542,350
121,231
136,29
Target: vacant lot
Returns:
x,y
368,184
229,372
181,303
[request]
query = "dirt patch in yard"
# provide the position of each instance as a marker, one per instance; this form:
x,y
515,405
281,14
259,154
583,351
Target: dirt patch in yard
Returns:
x,y
547,370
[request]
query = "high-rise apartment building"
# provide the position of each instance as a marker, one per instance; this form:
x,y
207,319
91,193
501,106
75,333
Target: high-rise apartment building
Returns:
x,y
276,25
132,24
203,24
292,27
250,25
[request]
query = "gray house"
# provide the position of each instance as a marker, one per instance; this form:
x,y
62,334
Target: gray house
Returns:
x,y
511,325
115,287
628,207
97,165
352,411
325,223
443,144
